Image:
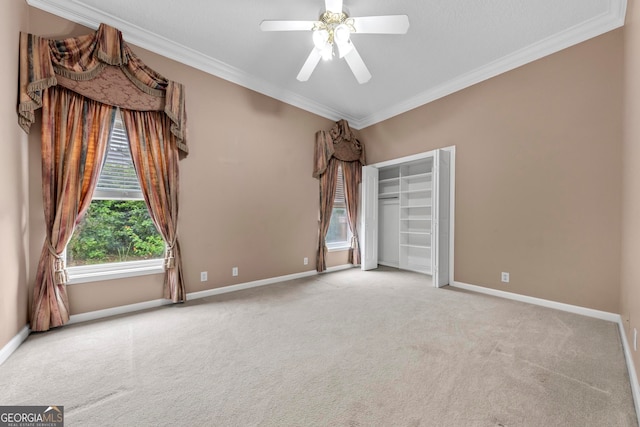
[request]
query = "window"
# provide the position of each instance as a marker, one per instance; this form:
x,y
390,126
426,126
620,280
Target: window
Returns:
x,y
117,233
339,234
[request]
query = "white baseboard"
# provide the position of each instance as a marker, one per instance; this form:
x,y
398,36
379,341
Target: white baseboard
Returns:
x,y
604,315
340,268
633,375
263,282
589,312
13,344
248,285
108,312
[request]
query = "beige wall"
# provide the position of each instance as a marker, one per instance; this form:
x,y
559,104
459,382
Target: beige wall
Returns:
x,y
630,292
247,195
14,207
538,173
539,159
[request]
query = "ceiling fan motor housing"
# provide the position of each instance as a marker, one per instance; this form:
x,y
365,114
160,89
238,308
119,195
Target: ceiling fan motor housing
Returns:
x,y
336,24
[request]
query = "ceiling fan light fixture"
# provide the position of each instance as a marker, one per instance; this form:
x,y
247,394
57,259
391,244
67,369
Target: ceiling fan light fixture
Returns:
x,y
341,34
320,39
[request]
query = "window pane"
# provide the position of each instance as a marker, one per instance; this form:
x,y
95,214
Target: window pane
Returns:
x,y
118,179
117,226
114,231
338,227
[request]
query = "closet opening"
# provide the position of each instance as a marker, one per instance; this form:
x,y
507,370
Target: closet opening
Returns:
x,y
407,215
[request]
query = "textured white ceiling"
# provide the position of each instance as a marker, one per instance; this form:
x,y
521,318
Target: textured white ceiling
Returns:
x,y
450,45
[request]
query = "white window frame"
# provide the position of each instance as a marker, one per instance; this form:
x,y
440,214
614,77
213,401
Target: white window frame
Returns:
x,y
115,270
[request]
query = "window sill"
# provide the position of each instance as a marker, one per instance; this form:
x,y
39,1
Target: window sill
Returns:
x,y
338,247
119,270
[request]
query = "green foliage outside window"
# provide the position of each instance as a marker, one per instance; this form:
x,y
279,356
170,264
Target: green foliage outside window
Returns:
x,y
338,226
115,231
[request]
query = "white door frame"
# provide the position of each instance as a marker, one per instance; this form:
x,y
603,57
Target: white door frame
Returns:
x,y
452,189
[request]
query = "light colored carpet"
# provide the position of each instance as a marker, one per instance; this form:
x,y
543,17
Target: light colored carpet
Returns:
x,y
380,348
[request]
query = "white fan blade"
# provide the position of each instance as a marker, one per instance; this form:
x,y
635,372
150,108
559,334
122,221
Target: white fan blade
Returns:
x,y
309,65
333,6
357,65
389,24
287,25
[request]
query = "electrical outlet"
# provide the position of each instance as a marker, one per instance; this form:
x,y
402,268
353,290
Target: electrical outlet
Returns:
x,y
234,271
306,261
505,277
203,276
635,339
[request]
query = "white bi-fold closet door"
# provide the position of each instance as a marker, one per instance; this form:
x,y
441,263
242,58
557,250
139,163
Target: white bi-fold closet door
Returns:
x,y
406,212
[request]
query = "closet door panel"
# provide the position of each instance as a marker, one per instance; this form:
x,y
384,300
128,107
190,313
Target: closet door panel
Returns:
x,y
442,218
369,237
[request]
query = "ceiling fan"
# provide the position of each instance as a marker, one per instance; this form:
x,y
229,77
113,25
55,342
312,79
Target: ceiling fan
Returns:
x,y
334,29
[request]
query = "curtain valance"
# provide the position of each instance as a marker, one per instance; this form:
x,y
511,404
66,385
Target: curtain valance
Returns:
x,y
99,58
340,142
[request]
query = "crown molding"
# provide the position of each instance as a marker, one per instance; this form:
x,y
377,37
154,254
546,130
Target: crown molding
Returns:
x,y
597,26
81,14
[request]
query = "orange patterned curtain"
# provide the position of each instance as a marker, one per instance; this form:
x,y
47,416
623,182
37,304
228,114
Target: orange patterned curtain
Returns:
x,y
75,132
352,175
338,146
101,70
328,186
155,157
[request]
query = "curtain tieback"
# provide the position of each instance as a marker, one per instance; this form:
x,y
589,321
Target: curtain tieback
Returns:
x,y
169,258
60,276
